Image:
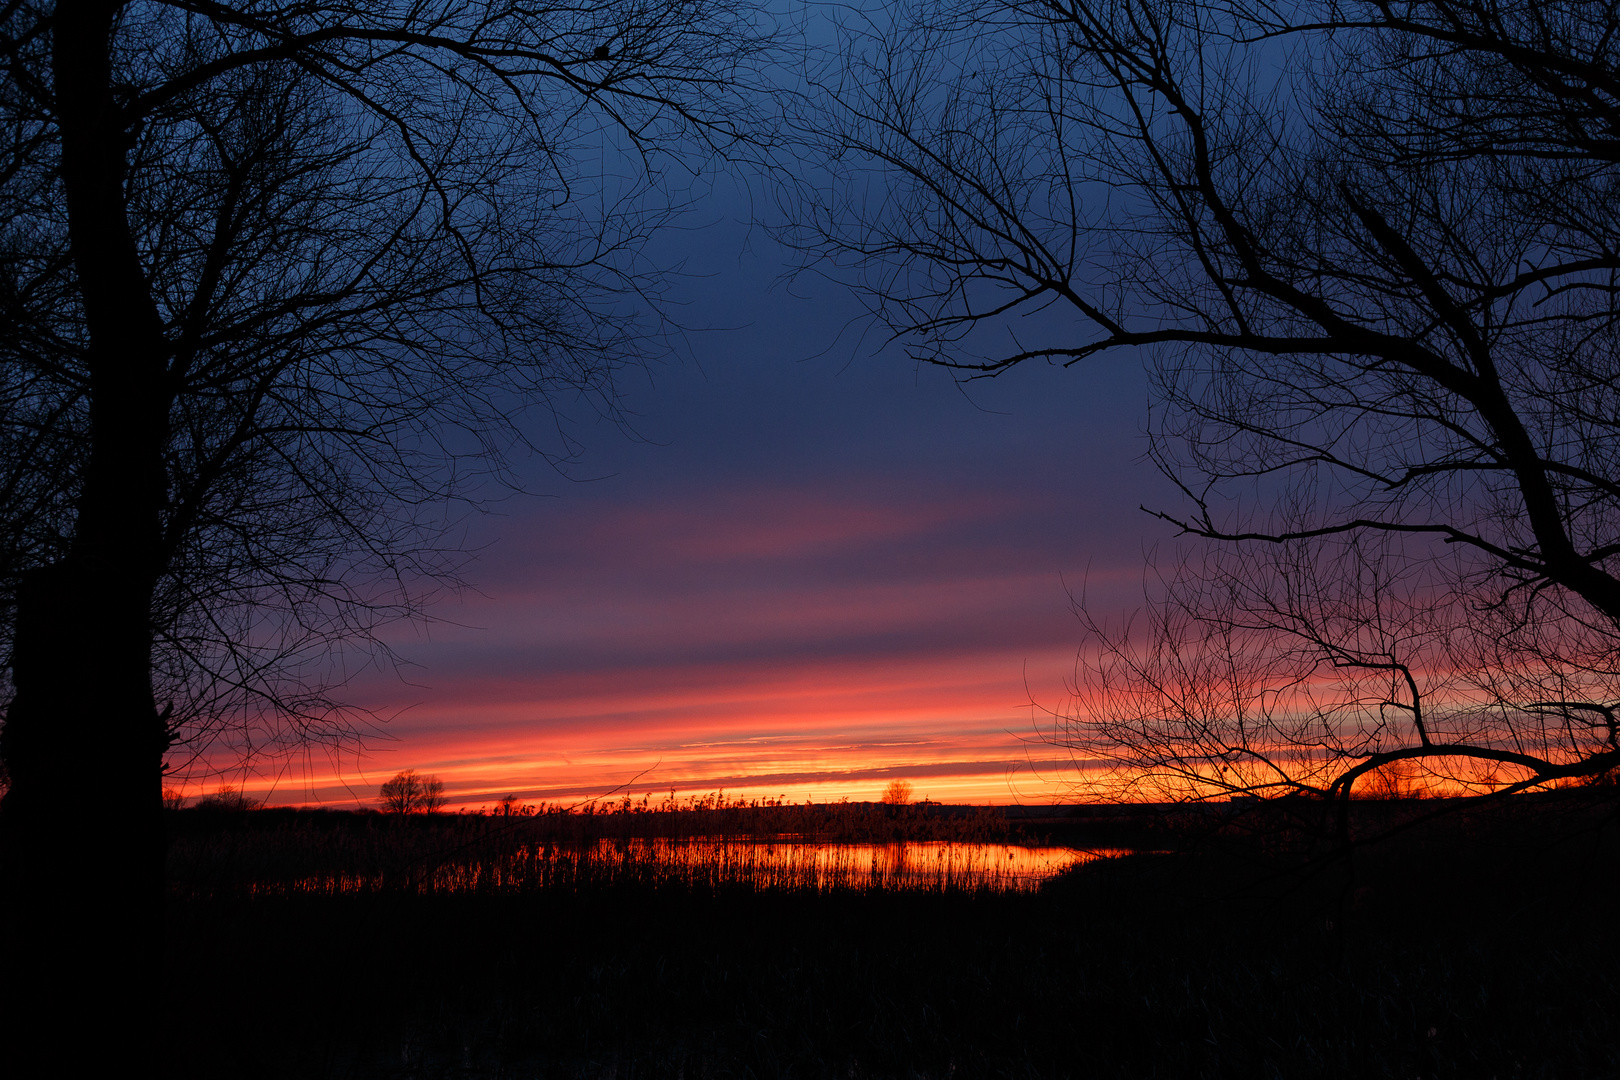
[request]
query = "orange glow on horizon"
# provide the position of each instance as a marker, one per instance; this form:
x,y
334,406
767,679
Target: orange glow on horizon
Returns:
x,y
952,726
772,643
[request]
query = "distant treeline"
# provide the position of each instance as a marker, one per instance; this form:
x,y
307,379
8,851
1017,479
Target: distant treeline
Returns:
x,y
713,814
363,839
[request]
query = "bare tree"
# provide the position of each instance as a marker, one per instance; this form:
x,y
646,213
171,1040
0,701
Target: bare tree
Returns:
x,y
228,799
898,793
1371,252
283,284
407,792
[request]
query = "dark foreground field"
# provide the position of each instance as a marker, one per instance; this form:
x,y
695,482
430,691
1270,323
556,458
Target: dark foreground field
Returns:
x,y
1476,949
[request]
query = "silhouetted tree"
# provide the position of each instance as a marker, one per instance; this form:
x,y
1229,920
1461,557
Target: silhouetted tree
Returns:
x,y
281,283
898,793
408,793
1372,251
228,799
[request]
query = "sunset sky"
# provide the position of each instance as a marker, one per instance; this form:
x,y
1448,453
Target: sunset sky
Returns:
x,y
816,567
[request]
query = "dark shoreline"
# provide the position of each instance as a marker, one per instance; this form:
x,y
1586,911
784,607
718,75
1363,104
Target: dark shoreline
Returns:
x,y
1136,826
1481,947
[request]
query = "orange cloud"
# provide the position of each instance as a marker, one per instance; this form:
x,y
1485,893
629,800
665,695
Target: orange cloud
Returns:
x,y
765,642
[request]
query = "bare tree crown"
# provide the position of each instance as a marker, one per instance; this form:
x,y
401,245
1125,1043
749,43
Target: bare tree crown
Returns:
x,y
370,247
897,793
1370,251
408,792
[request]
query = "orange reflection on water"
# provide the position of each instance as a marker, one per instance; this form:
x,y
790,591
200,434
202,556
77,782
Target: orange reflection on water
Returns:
x,y
721,861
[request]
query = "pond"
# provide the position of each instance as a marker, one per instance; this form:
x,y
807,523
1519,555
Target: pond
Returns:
x,y
799,864
784,863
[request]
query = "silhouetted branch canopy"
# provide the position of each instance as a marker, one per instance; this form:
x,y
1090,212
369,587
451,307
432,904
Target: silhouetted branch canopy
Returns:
x,y
1370,251
392,249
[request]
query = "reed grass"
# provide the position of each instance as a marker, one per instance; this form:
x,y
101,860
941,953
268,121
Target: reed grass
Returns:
x,y
1452,954
707,842
708,863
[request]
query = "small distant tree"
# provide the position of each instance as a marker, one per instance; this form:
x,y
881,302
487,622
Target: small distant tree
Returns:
x,y
1396,780
228,798
898,793
408,793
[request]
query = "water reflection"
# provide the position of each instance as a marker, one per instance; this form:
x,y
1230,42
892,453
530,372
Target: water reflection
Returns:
x,y
717,861
915,865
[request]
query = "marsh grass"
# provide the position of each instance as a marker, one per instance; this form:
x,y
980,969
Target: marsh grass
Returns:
x,y
836,846
1454,953
710,862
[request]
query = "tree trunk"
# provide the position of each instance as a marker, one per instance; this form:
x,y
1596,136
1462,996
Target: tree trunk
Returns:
x,y
83,743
